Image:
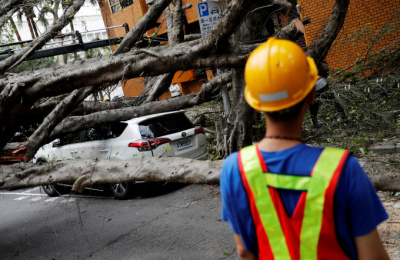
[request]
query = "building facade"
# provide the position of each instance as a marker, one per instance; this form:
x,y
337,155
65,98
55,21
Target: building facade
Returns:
x,y
369,27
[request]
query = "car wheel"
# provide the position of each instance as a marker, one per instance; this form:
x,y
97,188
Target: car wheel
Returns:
x,y
122,191
52,190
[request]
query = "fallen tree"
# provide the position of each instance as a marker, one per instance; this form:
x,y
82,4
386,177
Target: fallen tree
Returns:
x,y
167,169
46,97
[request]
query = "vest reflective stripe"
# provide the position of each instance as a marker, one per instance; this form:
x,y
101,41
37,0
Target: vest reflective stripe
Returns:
x,y
289,182
331,160
321,177
265,206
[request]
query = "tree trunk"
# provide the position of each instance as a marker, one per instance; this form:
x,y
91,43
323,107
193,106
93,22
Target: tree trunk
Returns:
x,y
15,30
28,20
71,25
238,130
161,83
34,27
169,169
237,127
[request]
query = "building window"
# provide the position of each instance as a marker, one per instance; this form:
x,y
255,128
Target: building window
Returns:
x,y
118,5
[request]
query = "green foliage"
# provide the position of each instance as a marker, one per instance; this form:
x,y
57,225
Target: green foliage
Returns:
x,y
362,141
393,160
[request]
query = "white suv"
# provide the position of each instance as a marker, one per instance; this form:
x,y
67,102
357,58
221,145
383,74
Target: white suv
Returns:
x,y
169,134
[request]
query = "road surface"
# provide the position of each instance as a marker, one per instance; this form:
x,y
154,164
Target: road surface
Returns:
x,y
171,222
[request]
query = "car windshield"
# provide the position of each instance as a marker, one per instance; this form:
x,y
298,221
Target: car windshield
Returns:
x,y
156,127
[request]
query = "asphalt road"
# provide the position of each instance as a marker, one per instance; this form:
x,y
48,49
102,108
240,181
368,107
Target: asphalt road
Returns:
x,y
171,222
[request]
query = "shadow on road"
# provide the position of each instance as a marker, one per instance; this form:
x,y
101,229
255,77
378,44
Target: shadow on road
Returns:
x,y
155,189
141,190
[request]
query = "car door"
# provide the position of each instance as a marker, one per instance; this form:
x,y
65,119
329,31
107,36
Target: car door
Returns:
x,y
94,144
67,148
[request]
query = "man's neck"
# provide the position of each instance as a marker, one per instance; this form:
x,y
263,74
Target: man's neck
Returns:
x,y
281,135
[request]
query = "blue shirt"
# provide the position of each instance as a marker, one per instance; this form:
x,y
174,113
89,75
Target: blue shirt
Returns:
x,y
357,207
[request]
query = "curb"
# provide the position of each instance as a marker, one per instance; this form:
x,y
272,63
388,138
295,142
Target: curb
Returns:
x,y
395,148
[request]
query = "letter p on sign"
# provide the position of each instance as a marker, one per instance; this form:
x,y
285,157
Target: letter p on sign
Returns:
x,y
203,9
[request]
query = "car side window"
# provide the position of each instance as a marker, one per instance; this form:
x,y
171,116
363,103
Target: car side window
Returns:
x,y
71,138
92,134
145,131
104,132
116,129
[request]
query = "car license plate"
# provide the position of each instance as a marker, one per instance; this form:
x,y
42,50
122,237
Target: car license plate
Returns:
x,y
183,144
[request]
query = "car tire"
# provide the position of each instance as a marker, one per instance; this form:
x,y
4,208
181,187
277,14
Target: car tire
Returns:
x,y
122,191
53,190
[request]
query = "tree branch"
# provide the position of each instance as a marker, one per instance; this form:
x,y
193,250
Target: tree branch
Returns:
x,y
143,25
292,31
109,171
6,17
320,48
9,5
39,137
175,35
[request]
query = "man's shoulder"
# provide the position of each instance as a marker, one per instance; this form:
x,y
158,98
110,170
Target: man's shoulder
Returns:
x,y
231,160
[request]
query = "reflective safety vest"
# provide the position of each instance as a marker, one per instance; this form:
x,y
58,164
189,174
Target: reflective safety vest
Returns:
x,y
310,232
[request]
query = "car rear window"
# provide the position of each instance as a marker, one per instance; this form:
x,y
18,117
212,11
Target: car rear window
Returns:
x,y
168,124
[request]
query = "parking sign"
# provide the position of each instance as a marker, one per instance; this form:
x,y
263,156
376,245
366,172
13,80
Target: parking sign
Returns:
x,y
208,13
202,9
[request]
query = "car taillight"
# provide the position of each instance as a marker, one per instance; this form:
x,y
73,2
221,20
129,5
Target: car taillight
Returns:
x,y
147,145
199,130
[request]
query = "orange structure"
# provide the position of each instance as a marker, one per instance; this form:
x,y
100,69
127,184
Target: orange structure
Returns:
x,y
118,12
370,21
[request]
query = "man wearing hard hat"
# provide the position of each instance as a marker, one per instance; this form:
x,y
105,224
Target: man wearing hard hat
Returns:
x,y
284,199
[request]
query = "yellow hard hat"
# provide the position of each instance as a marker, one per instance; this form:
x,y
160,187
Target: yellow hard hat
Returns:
x,y
278,75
